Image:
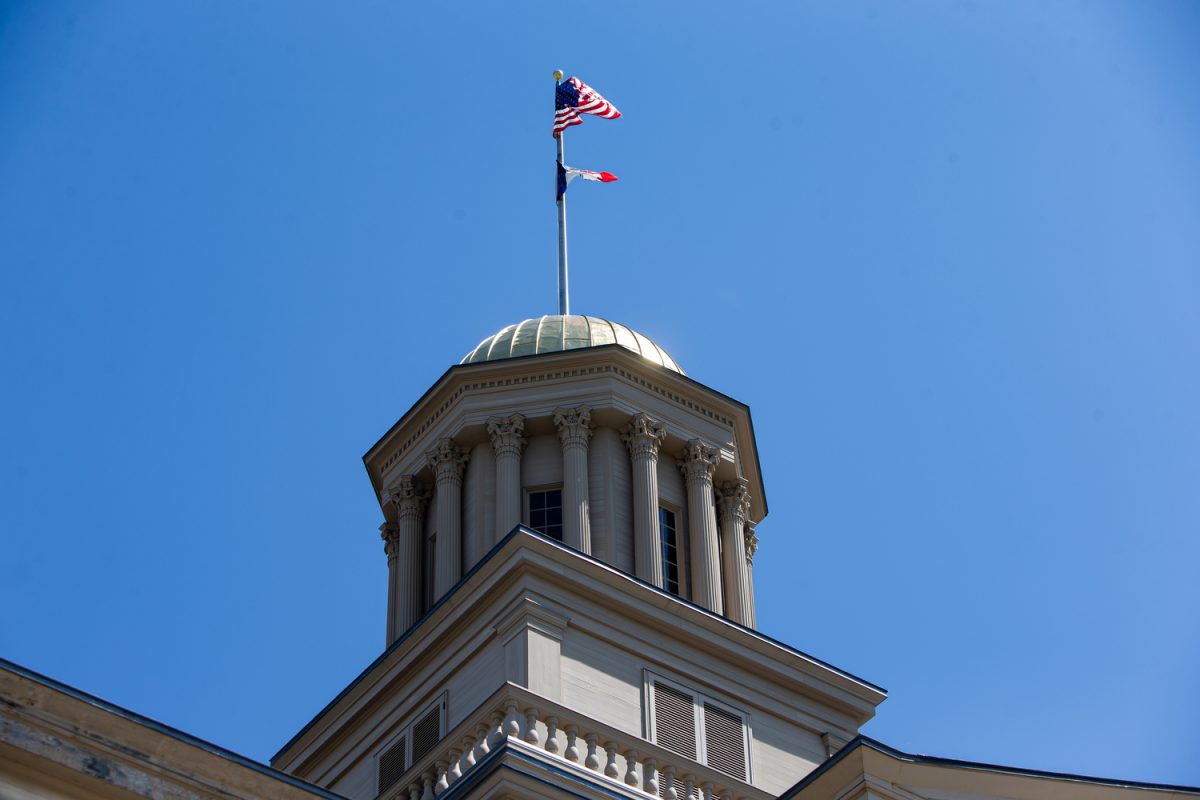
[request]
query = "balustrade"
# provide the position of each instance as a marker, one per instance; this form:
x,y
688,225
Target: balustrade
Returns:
x,y
521,719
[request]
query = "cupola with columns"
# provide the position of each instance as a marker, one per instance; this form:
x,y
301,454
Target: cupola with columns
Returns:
x,y
570,532
645,469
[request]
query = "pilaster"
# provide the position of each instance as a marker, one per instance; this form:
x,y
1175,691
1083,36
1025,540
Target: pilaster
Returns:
x,y
698,463
733,501
409,499
644,436
574,431
447,461
508,440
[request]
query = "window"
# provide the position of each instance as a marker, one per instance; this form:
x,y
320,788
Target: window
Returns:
x,y
415,741
545,512
670,550
698,727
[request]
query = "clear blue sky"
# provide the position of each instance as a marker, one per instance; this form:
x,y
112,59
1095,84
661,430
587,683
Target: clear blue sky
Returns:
x,y
948,252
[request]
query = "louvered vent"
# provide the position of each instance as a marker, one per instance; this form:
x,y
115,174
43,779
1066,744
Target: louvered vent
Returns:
x,y
674,720
425,734
725,741
391,764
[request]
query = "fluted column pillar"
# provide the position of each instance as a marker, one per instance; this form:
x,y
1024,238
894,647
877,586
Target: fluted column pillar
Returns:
x,y
643,436
390,533
508,440
574,430
733,501
698,463
447,460
409,498
751,548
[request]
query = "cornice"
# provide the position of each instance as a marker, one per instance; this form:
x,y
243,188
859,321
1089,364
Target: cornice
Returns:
x,y
613,360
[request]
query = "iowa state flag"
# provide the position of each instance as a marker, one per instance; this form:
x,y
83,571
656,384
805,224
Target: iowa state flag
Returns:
x,y
568,174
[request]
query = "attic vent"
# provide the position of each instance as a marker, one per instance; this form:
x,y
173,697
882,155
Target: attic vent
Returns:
x,y
674,720
425,733
391,764
414,742
724,741
699,728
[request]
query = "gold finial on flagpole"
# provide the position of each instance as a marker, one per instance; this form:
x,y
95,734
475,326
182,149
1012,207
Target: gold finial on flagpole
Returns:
x,y
558,74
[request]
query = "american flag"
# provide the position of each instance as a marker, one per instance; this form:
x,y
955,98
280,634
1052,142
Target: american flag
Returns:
x,y
574,97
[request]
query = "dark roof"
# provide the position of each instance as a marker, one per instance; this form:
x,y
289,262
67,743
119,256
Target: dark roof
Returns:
x,y
866,741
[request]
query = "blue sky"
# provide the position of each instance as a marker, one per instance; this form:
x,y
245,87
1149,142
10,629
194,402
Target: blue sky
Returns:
x,y
948,253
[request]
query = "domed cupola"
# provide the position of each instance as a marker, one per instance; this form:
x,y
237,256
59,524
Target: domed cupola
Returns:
x,y
553,334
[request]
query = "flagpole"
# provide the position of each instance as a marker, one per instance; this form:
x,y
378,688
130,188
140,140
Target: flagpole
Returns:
x,y
564,300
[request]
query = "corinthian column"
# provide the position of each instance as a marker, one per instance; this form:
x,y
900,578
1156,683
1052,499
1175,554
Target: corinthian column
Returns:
x,y
574,430
390,533
643,436
751,548
698,463
447,460
409,498
733,500
508,440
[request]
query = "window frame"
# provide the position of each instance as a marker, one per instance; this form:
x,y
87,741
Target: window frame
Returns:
x,y
699,699
405,732
527,515
680,558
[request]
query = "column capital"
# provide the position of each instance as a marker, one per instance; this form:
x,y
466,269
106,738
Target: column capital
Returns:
x,y
751,541
698,461
408,497
508,434
447,460
390,533
574,425
643,436
733,500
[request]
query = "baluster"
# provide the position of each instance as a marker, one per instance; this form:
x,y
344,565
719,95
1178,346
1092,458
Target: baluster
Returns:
x,y
496,734
552,735
512,722
669,790
592,761
631,776
572,751
650,775
707,788
455,770
414,792
427,780
468,758
689,786
442,781
610,750
482,734
531,734
727,794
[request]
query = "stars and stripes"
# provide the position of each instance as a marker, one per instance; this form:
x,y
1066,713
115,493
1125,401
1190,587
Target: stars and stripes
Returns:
x,y
567,174
574,97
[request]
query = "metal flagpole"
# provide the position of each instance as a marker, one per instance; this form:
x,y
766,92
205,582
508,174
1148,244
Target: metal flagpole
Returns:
x,y
564,300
